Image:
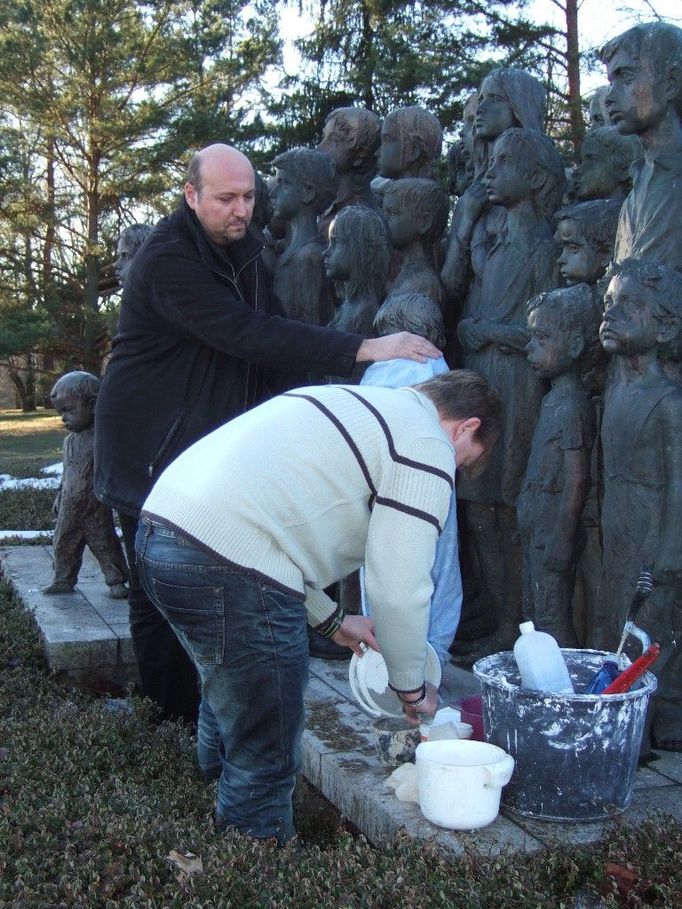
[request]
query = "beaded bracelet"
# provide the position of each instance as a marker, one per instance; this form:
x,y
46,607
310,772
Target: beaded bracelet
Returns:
x,y
330,626
420,699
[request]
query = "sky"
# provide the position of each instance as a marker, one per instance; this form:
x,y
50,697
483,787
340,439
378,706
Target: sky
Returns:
x,y
598,21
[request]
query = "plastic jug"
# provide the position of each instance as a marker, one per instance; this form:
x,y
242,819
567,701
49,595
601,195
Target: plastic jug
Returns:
x,y
540,661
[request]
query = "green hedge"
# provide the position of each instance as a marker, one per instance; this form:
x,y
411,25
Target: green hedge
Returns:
x,y
93,802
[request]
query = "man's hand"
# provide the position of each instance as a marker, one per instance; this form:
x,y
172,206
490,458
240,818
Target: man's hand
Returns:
x,y
356,630
400,344
427,708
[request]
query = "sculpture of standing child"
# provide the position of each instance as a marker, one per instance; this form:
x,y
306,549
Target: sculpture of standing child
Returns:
x,y
304,186
357,256
641,440
416,211
81,518
564,327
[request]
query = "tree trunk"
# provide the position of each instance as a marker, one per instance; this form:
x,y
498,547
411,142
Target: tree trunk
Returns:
x,y
573,66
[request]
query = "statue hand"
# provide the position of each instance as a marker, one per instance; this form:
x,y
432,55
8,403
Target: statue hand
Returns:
x,y
470,334
473,202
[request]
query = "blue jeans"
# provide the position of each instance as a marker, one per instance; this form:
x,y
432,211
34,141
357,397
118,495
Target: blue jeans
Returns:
x,y
249,643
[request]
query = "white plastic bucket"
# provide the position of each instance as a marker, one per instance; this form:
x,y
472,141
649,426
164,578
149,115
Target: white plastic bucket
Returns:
x,y
460,782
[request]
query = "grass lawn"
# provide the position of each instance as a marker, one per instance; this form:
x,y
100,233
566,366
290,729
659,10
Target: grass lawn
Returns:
x,y
28,442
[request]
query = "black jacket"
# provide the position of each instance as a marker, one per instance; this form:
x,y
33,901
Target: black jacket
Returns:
x,y
201,338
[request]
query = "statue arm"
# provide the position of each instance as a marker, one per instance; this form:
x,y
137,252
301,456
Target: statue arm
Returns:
x,y
560,545
456,268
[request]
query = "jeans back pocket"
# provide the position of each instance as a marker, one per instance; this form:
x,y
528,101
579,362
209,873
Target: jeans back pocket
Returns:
x,y
196,614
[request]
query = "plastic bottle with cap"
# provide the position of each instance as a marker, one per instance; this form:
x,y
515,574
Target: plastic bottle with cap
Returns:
x,y
541,662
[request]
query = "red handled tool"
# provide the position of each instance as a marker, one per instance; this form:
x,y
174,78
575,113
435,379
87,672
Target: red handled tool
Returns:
x,y
629,676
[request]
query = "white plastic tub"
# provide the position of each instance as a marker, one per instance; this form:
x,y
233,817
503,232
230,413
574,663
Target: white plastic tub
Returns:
x,y
460,782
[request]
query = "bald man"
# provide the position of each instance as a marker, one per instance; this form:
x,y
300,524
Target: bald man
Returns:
x,y
201,338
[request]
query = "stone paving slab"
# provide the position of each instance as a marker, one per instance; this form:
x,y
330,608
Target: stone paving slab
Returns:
x,y
86,638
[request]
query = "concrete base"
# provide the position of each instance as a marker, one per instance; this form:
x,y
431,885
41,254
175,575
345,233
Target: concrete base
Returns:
x,y
87,640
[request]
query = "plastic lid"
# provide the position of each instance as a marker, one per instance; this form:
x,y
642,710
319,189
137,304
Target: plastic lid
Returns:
x,y
525,627
368,678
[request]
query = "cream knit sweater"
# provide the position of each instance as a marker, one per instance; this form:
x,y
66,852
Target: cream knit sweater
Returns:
x,y
314,483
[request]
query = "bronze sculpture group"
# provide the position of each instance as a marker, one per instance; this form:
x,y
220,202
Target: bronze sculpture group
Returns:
x,y
569,305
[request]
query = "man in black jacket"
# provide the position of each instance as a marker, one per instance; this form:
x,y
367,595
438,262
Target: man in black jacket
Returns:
x,y
201,338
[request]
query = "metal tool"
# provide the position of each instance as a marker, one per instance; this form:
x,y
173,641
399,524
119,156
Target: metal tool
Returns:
x,y
644,586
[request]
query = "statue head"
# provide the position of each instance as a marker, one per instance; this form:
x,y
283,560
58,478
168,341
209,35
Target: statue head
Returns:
x,y
644,67
415,209
466,133
599,116
129,241
605,159
73,397
564,330
642,309
587,233
411,142
411,311
351,138
305,178
359,252
460,169
526,164
509,97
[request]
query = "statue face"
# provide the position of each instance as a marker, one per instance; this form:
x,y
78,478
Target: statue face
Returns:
x,y
126,254
337,258
285,193
595,176
494,113
506,182
579,260
401,221
597,118
76,413
390,153
466,133
636,100
337,142
548,351
629,326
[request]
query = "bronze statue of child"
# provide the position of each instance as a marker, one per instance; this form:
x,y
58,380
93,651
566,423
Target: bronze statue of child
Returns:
x,y
605,160
304,186
586,232
644,68
411,143
641,437
564,327
81,518
526,181
357,257
416,212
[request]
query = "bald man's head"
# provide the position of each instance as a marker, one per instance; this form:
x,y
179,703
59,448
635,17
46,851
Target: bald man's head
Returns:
x,y
220,190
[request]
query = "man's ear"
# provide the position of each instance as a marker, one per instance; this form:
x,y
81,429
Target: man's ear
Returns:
x,y
191,195
464,427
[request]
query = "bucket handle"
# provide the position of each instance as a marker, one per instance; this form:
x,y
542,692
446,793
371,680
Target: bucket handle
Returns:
x,y
499,773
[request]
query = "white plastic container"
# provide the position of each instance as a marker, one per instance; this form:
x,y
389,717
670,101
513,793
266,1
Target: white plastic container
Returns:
x,y
541,662
459,782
